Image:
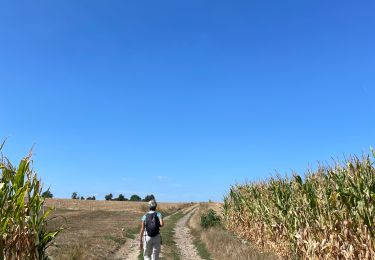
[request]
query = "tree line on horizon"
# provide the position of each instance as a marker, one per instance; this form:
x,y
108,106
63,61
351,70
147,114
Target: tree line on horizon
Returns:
x,y
108,197
133,197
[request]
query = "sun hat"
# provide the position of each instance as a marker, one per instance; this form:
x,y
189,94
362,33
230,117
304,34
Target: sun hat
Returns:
x,y
152,204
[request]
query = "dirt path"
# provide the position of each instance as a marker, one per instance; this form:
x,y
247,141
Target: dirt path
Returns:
x,y
184,239
129,251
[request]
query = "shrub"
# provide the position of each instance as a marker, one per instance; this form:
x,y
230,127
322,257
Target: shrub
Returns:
x,y
210,219
23,219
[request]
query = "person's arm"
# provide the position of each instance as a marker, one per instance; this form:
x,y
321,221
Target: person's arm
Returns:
x,y
161,220
141,234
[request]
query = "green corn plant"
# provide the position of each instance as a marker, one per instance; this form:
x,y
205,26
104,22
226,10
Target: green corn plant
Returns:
x,y
23,219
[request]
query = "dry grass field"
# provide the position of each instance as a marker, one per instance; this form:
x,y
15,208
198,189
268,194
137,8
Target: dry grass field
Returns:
x,y
96,229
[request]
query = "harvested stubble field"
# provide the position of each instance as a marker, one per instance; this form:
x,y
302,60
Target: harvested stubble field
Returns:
x,y
96,229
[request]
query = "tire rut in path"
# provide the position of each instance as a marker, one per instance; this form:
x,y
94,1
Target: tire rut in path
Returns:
x,y
184,239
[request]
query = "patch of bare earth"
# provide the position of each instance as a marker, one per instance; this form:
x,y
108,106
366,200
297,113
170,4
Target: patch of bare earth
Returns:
x,y
129,251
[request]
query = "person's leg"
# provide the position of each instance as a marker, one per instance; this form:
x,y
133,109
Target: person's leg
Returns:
x,y
156,245
147,248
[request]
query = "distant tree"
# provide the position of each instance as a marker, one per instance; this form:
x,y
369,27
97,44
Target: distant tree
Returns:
x,y
82,198
149,197
135,197
75,195
91,198
121,197
47,194
108,196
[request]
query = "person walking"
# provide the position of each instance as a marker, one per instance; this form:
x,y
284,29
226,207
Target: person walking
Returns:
x,y
149,237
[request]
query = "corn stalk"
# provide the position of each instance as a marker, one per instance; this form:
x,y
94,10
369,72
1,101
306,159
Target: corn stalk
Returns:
x,y
23,220
328,214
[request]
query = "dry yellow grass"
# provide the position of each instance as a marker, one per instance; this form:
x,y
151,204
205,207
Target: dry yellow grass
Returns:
x,y
132,206
96,229
222,244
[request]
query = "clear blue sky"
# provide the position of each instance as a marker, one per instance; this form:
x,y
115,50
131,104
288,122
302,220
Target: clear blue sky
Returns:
x,y
184,98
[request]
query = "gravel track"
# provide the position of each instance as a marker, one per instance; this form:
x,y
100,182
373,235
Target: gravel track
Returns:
x,y
184,239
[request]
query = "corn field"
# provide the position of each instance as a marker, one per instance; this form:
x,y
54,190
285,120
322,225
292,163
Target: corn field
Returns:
x,y
23,220
327,214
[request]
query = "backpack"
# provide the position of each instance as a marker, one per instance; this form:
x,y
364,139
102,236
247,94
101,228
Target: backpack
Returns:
x,y
152,224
